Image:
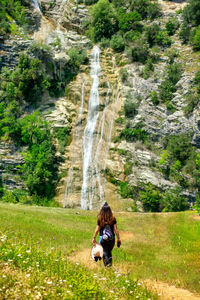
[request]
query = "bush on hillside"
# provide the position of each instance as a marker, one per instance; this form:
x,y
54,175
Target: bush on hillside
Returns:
x,y
130,108
173,201
129,21
154,98
40,168
166,90
140,51
11,13
151,33
146,8
150,198
192,100
184,33
162,39
123,74
172,25
191,13
26,83
179,147
195,40
126,190
104,20
136,133
117,43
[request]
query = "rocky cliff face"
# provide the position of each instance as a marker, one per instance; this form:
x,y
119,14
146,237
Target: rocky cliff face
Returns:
x,y
60,27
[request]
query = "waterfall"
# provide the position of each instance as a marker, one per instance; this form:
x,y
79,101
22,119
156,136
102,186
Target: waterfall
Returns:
x,y
86,184
37,5
88,137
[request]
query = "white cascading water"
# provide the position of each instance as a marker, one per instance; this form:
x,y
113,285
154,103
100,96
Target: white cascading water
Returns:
x,y
88,137
37,4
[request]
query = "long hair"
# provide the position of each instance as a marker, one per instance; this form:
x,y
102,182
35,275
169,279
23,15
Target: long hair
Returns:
x,y
105,216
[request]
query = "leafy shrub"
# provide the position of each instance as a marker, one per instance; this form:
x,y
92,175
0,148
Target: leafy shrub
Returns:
x,y
154,10
154,98
179,146
130,108
150,198
11,10
26,83
146,8
167,87
163,39
166,90
104,20
40,168
134,134
123,74
173,201
184,33
148,69
174,72
151,33
192,100
191,13
171,26
140,51
126,190
196,39
104,43
77,58
117,43
128,168
129,20
62,134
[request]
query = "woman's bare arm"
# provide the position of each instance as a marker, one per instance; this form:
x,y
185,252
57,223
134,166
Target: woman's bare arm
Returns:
x,y
117,233
95,234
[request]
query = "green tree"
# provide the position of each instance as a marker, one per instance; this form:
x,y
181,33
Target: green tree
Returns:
x,y
40,168
129,21
191,12
196,39
150,198
104,20
117,43
173,201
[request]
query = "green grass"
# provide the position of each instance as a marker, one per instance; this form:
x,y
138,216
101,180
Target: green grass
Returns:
x,y
161,247
35,244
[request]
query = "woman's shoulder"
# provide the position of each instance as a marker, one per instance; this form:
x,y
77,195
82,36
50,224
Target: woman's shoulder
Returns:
x,y
114,221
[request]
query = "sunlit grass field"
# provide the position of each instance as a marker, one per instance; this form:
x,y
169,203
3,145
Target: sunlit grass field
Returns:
x,y
36,242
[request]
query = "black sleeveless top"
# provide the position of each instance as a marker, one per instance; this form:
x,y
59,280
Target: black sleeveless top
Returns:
x,y
111,226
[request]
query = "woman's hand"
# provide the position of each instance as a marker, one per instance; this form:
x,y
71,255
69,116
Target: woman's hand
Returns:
x,y
94,241
119,242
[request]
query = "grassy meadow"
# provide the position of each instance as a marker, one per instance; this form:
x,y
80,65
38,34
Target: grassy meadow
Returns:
x,y
37,246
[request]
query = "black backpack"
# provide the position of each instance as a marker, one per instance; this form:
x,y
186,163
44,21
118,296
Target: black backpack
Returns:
x,y
108,234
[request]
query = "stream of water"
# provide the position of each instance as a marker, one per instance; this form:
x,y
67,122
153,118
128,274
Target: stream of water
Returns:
x,y
88,137
37,5
86,182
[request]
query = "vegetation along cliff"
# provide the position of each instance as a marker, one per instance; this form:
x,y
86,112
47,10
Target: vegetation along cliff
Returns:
x,y
100,100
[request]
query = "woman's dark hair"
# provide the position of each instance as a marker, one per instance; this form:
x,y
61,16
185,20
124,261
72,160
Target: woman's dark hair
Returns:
x,y
105,216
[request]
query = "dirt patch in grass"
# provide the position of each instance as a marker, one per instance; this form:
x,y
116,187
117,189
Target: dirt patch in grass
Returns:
x,y
169,292
126,235
196,218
